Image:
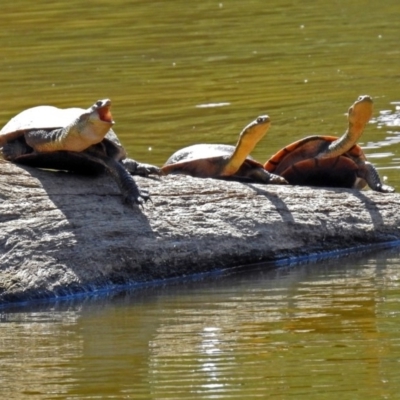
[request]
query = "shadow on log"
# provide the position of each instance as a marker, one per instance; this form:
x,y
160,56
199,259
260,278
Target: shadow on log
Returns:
x,y
62,234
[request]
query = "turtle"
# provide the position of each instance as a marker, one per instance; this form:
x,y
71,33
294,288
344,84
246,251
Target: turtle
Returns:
x,y
75,140
330,161
225,161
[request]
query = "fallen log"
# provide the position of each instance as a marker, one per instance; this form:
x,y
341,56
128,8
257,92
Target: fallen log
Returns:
x,y
64,234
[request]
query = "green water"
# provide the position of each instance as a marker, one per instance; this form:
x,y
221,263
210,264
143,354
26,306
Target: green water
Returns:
x,y
162,62
180,73
320,331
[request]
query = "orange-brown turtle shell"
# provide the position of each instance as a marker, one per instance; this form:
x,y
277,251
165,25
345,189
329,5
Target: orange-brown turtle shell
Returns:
x,y
299,165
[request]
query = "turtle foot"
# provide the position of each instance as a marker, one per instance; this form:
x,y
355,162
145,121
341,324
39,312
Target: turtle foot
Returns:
x,y
368,172
277,180
135,168
385,189
132,195
136,198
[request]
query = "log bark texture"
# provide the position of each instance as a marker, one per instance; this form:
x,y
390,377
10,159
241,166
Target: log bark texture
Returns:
x,y
63,234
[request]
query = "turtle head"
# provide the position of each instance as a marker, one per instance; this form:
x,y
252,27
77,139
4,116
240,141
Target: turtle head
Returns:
x,y
361,112
255,130
249,137
101,111
94,123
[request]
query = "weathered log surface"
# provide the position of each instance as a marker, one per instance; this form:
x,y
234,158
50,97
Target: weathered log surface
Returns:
x,y
62,234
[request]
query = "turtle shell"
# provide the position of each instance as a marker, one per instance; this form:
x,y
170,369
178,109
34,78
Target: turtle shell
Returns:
x,y
49,118
299,164
43,118
40,117
328,172
204,161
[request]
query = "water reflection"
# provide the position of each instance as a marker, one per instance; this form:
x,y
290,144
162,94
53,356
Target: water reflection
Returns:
x,y
36,351
389,118
290,331
297,333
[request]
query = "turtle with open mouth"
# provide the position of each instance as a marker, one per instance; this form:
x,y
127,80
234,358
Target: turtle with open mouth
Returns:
x,y
76,140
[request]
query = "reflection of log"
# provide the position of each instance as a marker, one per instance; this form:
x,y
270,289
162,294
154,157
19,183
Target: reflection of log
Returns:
x,y
62,234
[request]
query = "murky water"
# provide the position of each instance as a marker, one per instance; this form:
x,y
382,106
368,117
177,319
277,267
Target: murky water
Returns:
x,y
179,73
325,330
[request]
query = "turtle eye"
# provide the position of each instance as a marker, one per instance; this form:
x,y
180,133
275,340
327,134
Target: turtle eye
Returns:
x,y
260,120
99,103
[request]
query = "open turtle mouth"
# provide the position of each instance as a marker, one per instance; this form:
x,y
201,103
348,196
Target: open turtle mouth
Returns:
x,y
105,114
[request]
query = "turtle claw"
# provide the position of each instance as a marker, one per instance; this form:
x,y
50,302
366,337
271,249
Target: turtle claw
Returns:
x,y
136,197
144,196
386,189
368,172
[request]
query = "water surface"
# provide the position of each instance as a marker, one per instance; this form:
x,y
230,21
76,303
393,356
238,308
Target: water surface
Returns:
x,y
161,63
313,331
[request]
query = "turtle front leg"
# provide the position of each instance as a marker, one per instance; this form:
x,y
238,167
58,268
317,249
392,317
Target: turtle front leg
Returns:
x,y
368,172
130,191
135,168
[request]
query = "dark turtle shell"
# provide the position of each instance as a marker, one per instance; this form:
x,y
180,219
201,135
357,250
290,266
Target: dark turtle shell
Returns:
x,y
299,164
326,172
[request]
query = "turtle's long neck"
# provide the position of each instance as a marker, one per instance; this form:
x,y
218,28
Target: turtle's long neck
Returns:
x,y
248,139
345,142
244,147
359,115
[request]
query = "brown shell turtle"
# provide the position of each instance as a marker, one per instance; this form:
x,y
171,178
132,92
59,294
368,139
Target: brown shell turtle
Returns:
x,y
330,161
225,161
75,140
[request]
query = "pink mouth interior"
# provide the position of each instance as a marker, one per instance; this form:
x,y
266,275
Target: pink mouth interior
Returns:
x,y
105,114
